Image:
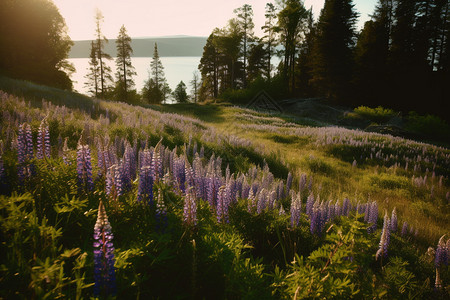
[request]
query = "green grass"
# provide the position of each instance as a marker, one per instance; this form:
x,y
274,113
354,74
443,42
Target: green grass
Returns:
x,y
47,233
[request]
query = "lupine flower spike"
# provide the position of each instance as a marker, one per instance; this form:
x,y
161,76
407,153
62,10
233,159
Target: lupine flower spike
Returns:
x,y
84,167
441,258
43,141
190,208
385,237
104,273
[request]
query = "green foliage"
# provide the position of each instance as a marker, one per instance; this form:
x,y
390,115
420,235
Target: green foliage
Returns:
x,y
378,114
430,126
332,270
35,43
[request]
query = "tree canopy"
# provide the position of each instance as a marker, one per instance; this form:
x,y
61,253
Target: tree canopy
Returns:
x,y
34,43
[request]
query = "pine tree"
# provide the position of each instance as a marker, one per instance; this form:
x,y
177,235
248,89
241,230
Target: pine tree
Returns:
x,y
333,49
105,70
125,69
93,75
245,20
209,68
304,72
291,23
256,61
155,89
269,37
180,94
195,84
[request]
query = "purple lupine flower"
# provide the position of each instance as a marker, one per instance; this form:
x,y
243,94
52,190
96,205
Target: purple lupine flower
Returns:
x,y
211,191
367,211
190,208
337,209
130,163
315,218
346,207
296,209
84,167
309,204
111,184
24,152
373,217
385,238
441,256
271,199
145,185
302,182
104,273
404,228
156,164
189,173
223,203
43,141
251,201
161,212
288,183
261,198
245,190
394,224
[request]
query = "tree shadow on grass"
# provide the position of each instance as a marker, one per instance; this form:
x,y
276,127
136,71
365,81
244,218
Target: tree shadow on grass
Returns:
x,y
207,113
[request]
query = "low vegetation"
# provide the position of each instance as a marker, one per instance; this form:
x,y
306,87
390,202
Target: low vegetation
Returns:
x,y
114,200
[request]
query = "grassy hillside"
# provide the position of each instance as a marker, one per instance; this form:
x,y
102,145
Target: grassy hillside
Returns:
x,y
212,201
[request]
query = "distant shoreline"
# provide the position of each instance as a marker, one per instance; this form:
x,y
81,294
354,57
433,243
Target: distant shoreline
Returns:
x,y
170,46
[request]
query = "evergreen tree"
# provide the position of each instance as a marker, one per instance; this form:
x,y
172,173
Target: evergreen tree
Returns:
x,y
333,49
125,69
155,89
105,70
256,61
34,44
195,84
269,37
93,75
227,41
209,68
304,72
291,23
180,94
371,57
245,21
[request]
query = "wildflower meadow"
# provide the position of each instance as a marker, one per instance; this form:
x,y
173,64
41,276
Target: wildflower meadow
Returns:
x,y
109,200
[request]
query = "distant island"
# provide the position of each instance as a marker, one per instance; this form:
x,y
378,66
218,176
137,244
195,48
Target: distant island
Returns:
x,y
143,47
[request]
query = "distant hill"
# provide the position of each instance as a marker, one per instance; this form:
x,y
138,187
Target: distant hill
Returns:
x,y
143,47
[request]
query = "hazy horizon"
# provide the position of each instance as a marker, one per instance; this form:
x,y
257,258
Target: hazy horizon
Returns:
x,y
193,18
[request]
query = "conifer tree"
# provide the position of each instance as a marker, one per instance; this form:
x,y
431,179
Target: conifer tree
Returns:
x,y
156,88
269,37
245,21
291,23
93,75
105,70
195,84
333,49
125,69
209,68
179,93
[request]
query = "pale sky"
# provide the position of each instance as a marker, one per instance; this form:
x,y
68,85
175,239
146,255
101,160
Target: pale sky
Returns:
x,y
145,18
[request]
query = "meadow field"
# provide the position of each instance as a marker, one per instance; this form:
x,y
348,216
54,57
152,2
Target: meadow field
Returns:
x,y
212,201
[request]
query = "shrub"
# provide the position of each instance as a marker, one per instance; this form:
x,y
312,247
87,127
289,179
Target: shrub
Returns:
x,y
378,114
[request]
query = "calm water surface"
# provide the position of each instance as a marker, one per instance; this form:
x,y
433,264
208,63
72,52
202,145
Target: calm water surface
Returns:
x,y
175,70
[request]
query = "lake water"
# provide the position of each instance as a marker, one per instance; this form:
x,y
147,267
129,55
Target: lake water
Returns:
x,y
176,69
